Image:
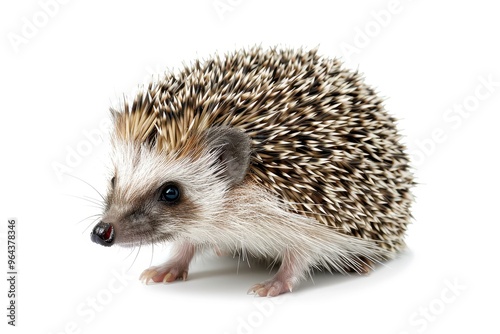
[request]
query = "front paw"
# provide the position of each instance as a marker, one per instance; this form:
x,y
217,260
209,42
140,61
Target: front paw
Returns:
x,y
271,288
166,274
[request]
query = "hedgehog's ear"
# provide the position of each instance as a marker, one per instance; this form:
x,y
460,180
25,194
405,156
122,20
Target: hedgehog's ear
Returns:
x,y
233,146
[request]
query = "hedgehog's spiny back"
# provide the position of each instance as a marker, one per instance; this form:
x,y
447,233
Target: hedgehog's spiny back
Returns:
x,y
321,137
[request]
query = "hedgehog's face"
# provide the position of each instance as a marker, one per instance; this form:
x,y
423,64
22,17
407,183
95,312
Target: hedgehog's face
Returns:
x,y
155,196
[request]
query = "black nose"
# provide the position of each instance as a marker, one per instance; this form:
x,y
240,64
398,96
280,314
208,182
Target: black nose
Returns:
x,y
103,234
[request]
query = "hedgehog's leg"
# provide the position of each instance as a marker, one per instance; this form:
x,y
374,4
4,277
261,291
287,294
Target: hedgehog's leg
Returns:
x,y
292,269
175,268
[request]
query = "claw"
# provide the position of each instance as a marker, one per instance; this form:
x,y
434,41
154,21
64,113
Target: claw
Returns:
x,y
167,277
147,275
184,275
254,288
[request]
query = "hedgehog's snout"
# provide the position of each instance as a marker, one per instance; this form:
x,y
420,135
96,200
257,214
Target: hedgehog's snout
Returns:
x,y
103,234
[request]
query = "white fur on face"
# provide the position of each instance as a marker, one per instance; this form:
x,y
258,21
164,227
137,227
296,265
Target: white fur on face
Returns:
x,y
141,171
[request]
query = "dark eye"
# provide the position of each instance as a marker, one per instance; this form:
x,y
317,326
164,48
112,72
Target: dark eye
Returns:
x,y
113,181
170,194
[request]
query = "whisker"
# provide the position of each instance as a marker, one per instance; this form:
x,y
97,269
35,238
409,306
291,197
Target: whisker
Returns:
x,y
89,217
92,223
88,199
93,200
76,177
94,206
126,257
152,251
138,251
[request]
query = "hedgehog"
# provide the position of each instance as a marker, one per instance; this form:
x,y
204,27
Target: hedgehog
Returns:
x,y
279,155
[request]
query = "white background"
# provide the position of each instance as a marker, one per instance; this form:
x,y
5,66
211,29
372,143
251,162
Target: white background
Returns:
x,y
61,71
